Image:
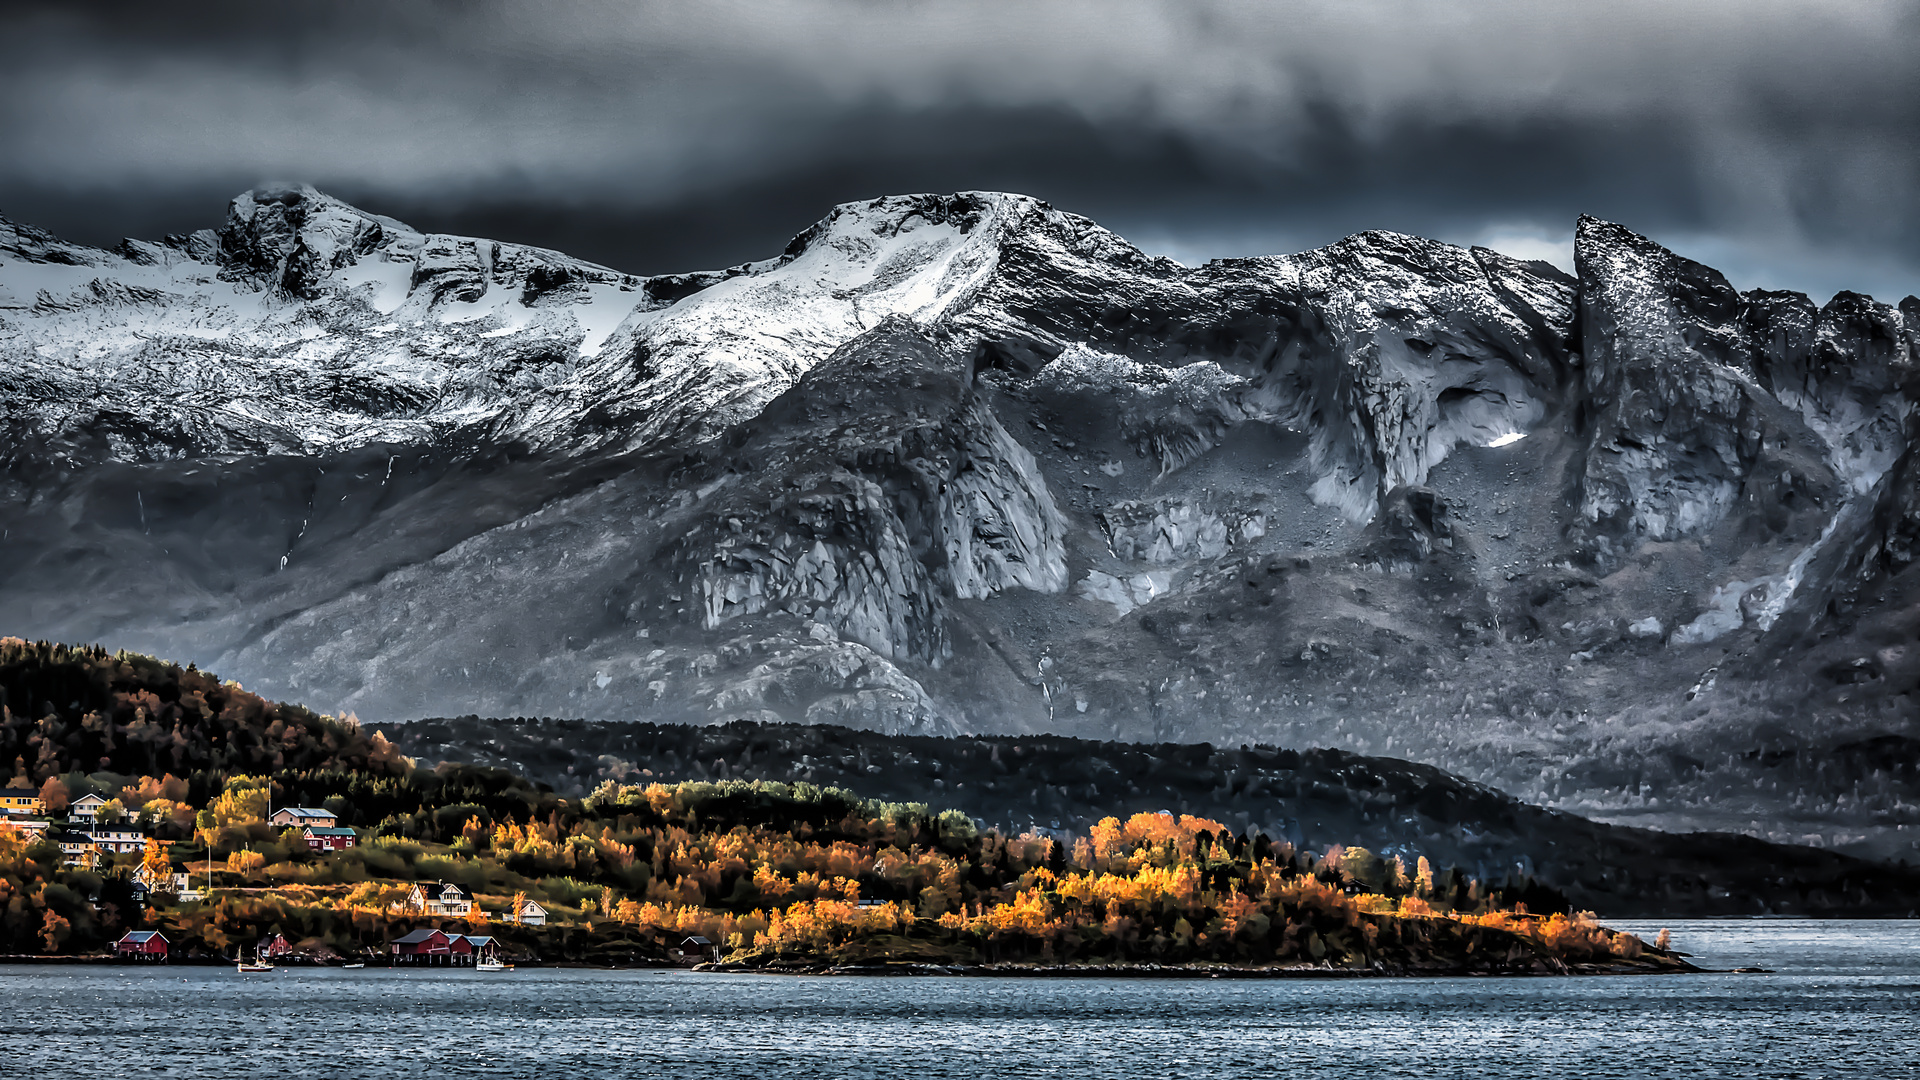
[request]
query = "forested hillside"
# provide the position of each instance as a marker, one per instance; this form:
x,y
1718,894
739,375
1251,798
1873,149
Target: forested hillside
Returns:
x,y
66,708
786,874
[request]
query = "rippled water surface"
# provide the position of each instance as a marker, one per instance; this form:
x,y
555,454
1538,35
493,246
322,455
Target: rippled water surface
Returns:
x,y
1843,1000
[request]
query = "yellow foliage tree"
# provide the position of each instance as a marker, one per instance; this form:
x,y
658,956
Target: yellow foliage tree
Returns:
x,y
155,860
245,862
242,802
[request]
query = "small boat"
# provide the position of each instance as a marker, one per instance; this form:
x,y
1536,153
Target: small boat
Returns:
x,y
355,966
245,968
492,965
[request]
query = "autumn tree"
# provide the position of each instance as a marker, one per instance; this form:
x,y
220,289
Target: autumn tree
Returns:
x,y
242,801
138,793
54,930
54,795
154,859
1359,865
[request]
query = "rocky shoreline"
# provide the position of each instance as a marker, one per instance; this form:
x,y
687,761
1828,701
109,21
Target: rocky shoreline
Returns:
x,y
1645,965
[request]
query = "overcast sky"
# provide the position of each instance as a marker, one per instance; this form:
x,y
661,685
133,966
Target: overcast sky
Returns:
x,y
1779,141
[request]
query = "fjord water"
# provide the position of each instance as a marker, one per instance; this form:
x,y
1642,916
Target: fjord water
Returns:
x,y
1843,999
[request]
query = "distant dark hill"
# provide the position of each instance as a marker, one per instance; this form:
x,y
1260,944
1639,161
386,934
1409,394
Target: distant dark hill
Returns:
x,y
1313,798
80,709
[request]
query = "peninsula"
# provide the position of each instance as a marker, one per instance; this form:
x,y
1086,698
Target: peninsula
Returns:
x,y
167,815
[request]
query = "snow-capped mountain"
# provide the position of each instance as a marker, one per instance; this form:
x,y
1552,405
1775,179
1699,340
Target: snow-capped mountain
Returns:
x,y
1630,542
307,326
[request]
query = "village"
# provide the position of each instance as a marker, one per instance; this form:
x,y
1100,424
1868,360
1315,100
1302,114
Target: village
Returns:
x,y
97,834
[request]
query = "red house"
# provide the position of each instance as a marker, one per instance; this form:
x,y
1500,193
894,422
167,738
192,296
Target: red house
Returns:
x,y
142,945
692,950
423,946
327,839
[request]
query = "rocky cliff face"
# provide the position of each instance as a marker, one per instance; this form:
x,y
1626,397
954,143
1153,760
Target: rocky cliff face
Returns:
x,y
1630,542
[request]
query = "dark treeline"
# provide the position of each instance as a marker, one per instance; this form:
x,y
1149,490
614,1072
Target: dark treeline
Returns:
x,y
1310,798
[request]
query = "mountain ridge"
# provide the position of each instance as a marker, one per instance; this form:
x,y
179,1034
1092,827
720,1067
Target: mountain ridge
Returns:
x,y
1609,540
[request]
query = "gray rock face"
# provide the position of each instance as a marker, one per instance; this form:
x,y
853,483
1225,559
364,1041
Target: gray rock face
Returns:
x,y
882,512
1681,428
1630,543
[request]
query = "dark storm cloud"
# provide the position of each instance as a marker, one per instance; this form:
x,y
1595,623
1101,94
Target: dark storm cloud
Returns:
x,y
1776,139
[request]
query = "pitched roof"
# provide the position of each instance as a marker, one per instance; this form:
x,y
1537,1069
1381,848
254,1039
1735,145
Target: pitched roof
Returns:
x,y
438,890
480,939
141,937
533,905
305,812
89,797
325,830
418,936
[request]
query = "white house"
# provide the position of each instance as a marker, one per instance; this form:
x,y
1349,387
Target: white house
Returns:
x,y
172,881
116,838
77,849
532,914
440,898
30,829
86,807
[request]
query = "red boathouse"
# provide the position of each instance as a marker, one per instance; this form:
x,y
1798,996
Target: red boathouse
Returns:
x,y
423,946
142,945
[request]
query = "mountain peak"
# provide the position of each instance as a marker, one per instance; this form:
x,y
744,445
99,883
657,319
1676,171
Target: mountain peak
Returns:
x,y
292,236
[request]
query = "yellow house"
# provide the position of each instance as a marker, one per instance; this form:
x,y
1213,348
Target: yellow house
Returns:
x,y
19,801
